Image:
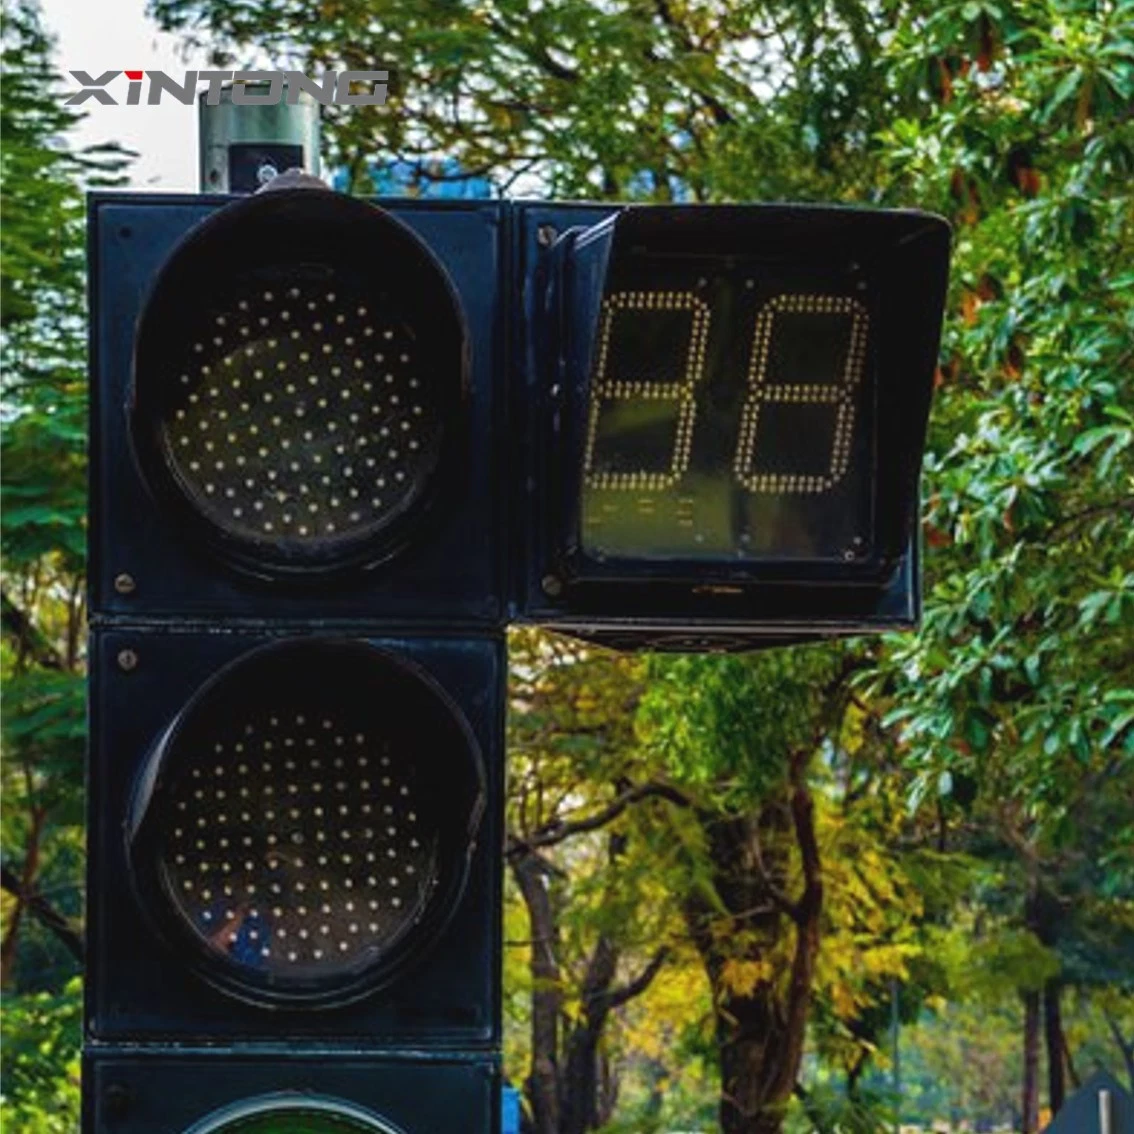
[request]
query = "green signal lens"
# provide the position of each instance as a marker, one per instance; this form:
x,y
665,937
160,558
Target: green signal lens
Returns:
x,y
299,1120
283,1115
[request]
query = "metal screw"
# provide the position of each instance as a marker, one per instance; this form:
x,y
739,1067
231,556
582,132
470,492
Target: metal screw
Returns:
x,y
546,235
127,660
124,584
552,585
116,1100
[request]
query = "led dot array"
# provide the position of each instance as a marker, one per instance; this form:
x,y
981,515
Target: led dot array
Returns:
x,y
301,415
607,387
297,845
840,395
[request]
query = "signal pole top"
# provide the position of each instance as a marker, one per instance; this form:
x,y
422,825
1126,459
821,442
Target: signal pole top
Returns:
x,y
243,147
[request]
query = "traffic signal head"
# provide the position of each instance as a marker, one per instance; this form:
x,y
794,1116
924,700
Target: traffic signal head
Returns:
x,y
296,397
734,405
305,824
295,806
335,449
294,834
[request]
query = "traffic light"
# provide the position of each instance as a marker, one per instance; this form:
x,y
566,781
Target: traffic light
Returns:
x,y
275,1092
297,671
336,448
296,400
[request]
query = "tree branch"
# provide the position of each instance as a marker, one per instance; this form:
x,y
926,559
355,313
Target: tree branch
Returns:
x,y
616,997
722,116
1076,518
46,914
534,53
30,640
807,914
561,829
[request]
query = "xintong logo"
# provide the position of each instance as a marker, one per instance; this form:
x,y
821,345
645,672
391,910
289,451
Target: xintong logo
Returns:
x,y
249,88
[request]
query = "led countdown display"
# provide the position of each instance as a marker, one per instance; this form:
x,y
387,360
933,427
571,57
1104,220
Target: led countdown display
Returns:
x,y
730,418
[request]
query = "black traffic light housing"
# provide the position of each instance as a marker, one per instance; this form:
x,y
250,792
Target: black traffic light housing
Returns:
x,y
669,353
186,764
244,1092
164,540
335,449
297,678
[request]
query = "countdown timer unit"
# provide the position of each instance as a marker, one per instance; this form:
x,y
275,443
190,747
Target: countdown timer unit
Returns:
x,y
729,417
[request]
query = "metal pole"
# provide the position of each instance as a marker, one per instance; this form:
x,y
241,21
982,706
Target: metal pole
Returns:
x,y
1106,1114
243,147
895,1025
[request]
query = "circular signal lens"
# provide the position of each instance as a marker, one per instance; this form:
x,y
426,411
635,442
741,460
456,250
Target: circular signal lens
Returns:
x,y
301,417
298,1120
289,1115
305,824
299,380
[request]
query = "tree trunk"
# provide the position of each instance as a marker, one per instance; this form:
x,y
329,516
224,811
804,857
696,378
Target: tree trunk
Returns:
x,y
1056,1044
609,1087
1072,1074
570,1090
1042,915
587,1090
1029,1105
28,877
1124,1045
578,1098
750,1036
854,1073
542,1087
580,1086
760,1035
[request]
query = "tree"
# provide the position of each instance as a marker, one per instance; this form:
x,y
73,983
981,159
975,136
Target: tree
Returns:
x,y
715,99
789,872
1021,684
42,352
596,921
743,732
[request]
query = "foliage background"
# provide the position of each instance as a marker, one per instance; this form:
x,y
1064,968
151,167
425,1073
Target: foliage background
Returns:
x,y
970,786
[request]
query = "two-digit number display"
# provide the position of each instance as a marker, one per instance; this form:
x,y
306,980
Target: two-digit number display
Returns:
x,y
715,417
764,386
